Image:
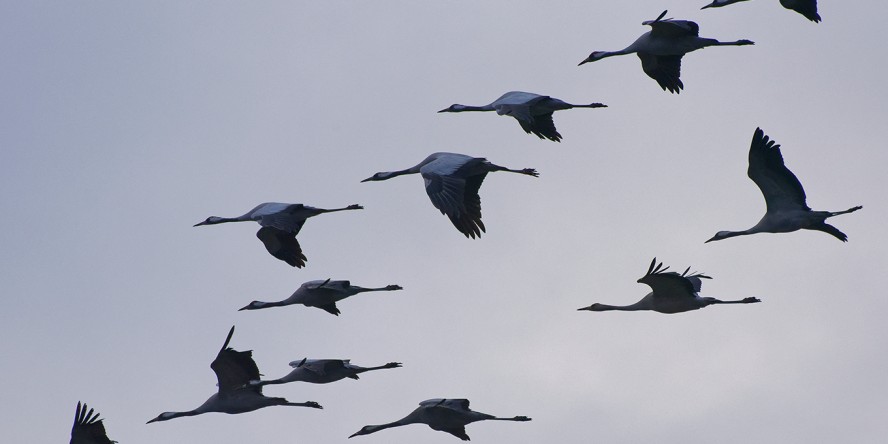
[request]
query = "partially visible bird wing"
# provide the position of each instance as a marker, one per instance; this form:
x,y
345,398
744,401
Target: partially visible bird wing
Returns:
x,y
540,125
454,404
664,69
807,8
459,432
286,220
329,308
672,28
667,284
282,245
456,195
88,429
318,366
233,368
780,187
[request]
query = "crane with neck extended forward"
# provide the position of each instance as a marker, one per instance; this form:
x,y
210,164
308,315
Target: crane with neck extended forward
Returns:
x,y
280,223
323,371
532,111
671,293
320,294
452,182
446,415
234,370
662,48
787,210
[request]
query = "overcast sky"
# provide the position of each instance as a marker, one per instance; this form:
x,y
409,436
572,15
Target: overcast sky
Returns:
x,y
122,124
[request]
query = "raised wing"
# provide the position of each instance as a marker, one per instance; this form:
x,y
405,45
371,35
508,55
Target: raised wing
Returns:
x,y
282,245
664,69
88,428
234,369
670,28
669,284
780,187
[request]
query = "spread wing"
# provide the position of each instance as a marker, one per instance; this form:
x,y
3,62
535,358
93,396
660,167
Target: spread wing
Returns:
x,y
282,245
233,368
88,428
664,69
781,189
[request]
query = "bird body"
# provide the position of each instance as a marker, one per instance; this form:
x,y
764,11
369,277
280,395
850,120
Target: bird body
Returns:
x,y
452,182
323,371
785,198
532,111
672,293
320,294
662,48
88,428
445,415
280,223
234,370
807,8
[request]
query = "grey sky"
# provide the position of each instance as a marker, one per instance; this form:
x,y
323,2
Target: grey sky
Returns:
x,y
123,125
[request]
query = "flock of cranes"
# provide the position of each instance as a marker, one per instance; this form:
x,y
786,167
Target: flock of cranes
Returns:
x,y
452,182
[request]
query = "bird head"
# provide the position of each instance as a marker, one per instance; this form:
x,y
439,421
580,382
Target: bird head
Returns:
x,y
455,108
593,307
163,417
253,306
366,430
378,176
719,236
210,221
596,55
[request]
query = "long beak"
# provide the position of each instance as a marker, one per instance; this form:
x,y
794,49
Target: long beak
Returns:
x,y
584,61
149,422
353,435
442,111
201,223
369,178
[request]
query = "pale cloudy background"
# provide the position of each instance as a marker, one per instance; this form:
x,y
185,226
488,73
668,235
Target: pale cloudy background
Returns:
x,y
125,123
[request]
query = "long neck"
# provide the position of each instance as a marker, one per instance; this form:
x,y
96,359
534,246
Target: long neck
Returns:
x,y
409,419
474,108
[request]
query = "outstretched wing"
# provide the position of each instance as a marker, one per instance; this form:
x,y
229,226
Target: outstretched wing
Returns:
x,y
234,368
282,245
780,187
88,428
664,69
